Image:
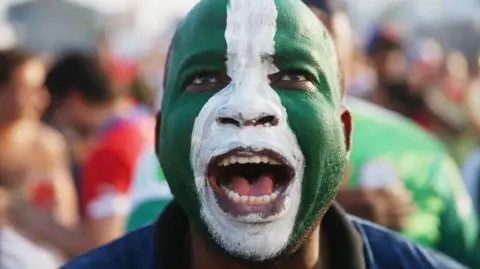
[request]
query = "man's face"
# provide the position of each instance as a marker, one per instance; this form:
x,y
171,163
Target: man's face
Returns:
x,y
251,138
79,121
24,95
390,65
78,115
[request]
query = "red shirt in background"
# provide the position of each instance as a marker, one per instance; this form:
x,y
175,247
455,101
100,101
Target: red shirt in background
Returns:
x,y
106,178
423,120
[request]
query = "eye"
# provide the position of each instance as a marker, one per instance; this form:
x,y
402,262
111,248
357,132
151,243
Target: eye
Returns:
x,y
204,79
294,77
207,81
292,80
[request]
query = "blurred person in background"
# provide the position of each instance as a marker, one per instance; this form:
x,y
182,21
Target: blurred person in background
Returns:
x,y
385,49
471,166
95,112
388,150
410,86
448,102
33,157
17,249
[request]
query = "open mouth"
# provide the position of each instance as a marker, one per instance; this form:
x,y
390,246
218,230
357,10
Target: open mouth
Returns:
x,y
247,181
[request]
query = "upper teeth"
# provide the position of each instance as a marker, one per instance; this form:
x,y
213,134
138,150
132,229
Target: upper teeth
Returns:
x,y
247,159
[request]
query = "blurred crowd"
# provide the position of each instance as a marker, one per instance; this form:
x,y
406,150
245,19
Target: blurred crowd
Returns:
x,y
76,124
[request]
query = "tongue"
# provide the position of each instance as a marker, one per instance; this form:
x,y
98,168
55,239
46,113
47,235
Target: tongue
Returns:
x,y
261,186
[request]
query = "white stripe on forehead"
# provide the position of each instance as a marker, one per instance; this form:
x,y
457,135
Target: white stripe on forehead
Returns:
x,y
250,33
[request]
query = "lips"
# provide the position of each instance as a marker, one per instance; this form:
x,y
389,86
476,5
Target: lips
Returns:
x,y
246,181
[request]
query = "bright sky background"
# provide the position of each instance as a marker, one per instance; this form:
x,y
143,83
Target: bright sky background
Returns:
x,y
158,8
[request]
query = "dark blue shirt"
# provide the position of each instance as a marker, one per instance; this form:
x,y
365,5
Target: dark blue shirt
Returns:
x,y
352,243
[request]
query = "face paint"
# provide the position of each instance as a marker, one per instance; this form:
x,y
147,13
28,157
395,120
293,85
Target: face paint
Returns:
x,y
254,231
266,149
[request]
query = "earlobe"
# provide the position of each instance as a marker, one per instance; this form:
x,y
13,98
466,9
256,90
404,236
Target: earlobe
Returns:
x,y
347,126
157,133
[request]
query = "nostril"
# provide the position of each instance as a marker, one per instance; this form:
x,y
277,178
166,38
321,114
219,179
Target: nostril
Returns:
x,y
228,121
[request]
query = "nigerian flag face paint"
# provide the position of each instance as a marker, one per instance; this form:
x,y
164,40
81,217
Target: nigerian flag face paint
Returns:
x,y
256,160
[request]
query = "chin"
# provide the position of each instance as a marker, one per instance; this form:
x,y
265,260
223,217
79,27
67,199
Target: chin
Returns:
x,y
250,195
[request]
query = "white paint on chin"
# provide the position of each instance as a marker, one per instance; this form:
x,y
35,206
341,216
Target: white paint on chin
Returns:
x,y
250,31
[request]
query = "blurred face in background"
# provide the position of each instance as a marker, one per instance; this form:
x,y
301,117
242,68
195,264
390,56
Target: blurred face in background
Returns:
x,y
79,116
390,65
80,121
24,95
456,77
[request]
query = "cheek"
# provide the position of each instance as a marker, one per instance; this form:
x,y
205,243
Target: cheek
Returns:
x,y
176,134
319,131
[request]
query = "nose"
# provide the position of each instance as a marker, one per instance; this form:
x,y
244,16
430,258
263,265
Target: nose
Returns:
x,y
239,120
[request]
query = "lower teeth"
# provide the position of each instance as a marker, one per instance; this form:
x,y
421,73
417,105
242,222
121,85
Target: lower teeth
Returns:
x,y
250,200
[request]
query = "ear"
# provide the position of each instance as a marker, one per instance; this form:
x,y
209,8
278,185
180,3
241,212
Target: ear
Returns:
x,y
157,133
347,126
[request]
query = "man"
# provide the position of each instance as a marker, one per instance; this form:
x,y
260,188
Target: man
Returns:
x,y
119,130
33,165
251,188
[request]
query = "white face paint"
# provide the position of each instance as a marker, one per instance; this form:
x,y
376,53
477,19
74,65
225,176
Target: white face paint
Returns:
x,y
250,31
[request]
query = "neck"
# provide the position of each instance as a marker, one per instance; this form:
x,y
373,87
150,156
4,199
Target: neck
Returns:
x,y
115,108
203,256
12,126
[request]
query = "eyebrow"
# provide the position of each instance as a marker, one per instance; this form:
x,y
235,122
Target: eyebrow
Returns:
x,y
207,57
283,57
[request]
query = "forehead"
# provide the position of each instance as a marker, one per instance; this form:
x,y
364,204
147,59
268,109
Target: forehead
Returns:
x,y
202,37
297,28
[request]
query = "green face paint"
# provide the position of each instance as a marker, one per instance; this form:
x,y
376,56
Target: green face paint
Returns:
x,y
265,148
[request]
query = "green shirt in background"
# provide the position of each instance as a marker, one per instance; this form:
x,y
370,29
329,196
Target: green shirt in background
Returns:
x,y
387,149
150,192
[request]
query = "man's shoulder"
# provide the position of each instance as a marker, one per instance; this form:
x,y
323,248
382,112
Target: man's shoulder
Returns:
x,y
386,249
134,250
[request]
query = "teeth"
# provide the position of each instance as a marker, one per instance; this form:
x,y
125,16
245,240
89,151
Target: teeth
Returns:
x,y
255,159
233,159
249,200
244,159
